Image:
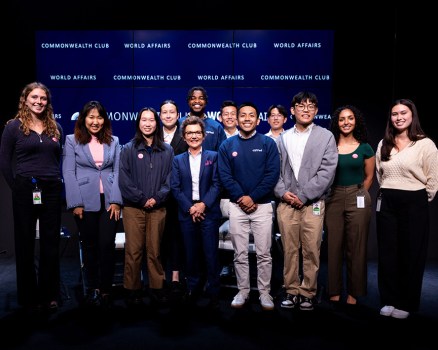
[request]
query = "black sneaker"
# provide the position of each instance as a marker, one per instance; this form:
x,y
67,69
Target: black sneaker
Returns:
x,y
94,298
176,292
159,296
227,271
306,303
192,297
177,289
134,298
290,301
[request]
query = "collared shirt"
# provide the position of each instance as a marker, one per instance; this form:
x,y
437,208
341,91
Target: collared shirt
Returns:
x,y
195,169
236,132
271,135
168,137
295,145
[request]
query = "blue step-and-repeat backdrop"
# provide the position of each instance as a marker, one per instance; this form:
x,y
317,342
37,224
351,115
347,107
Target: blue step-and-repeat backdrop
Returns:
x,y
130,69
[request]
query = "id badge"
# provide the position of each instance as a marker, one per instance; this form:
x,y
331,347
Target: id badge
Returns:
x,y
361,201
36,194
379,203
316,208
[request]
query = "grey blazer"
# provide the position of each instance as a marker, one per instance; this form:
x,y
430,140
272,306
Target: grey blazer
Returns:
x,y
81,175
318,166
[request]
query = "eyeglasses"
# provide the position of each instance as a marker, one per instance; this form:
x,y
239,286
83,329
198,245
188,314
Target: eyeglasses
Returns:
x,y
193,133
300,107
276,116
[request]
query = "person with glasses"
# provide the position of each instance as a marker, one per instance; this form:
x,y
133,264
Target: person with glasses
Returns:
x,y
277,118
195,186
197,100
249,166
228,117
308,164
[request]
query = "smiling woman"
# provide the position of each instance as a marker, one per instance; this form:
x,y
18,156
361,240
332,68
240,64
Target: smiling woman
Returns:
x,y
95,202
30,159
195,185
193,129
145,164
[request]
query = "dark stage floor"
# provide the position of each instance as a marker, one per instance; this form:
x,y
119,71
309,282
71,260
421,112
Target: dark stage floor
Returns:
x,y
184,327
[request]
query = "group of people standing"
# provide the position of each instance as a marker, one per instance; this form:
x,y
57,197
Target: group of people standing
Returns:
x,y
168,181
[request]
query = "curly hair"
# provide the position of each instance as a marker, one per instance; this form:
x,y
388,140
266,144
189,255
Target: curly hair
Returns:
x,y
360,131
25,116
197,88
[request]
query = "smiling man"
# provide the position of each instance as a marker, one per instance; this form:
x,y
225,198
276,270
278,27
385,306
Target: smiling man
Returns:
x,y
249,166
197,100
308,165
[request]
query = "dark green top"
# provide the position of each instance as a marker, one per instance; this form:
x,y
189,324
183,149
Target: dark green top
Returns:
x,y
350,168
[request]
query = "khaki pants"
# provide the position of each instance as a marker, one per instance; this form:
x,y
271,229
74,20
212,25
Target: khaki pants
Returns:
x,y
259,224
347,238
301,228
143,230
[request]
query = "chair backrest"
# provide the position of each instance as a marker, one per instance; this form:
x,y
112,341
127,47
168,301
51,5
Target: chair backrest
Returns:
x,y
120,240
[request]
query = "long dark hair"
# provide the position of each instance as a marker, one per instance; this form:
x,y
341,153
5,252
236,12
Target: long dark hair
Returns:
x,y
82,135
415,132
158,139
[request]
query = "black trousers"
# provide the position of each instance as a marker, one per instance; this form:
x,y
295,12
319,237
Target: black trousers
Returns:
x,y
97,233
402,241
172,245
41,284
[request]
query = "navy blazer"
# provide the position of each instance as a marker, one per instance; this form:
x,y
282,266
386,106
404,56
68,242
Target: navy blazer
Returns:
x,y
82,176
209,186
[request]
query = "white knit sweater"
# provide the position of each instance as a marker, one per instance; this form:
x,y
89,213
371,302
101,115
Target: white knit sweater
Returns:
x,y
412,169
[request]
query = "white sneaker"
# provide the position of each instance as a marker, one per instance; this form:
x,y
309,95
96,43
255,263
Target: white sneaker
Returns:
x,y
387,310
266,301
400,314
239,300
